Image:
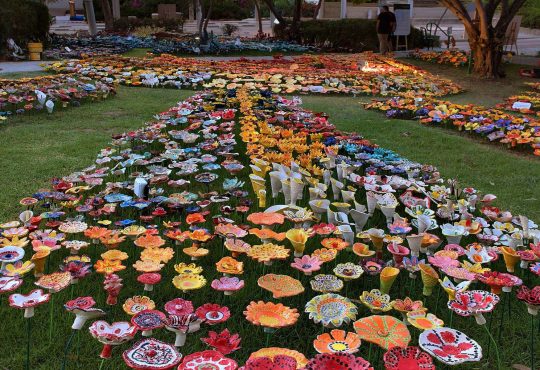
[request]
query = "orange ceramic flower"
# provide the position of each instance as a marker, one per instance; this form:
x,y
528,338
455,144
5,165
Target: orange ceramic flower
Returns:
x,y
325,255
54,282
112,240
157,254
407,305
271,352
424,321
385,331
271,315
229,265
195,253
148,266
263,218
265,234
96,232
114,254
177,235
194,218
108,267
200,235
280,285
337,341
334,243
237,246
268,252
149,241
229,230
137,304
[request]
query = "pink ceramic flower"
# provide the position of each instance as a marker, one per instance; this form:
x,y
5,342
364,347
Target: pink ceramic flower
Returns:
x,y
307,264
337,361
407,358
179,307
228,285
443,261
531,297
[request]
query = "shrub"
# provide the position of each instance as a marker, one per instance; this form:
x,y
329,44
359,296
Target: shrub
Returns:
x,y
23,21
129,25
344,35
229,29
531,14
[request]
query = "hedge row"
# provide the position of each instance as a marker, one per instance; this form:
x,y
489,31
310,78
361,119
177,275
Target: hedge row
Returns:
x,y
23,21
345,35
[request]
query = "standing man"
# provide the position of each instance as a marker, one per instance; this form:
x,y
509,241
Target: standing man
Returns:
x,y
386,25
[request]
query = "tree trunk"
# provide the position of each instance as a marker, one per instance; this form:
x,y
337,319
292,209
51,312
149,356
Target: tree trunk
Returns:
x,y
317,9
487,54
258,16
295,25
204,36
107,15
272,7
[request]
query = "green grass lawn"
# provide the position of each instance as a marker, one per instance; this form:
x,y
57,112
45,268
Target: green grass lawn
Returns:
x,y
40,146
514,178
35,147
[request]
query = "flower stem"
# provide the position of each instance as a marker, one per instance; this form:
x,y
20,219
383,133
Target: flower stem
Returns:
x,y
495,345
28,329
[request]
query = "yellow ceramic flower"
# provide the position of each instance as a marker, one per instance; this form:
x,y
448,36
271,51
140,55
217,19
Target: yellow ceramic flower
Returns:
x,y
183,268
189,281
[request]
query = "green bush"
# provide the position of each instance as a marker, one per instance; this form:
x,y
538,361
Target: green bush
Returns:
x,y
531,14
23,21
345,35
127,25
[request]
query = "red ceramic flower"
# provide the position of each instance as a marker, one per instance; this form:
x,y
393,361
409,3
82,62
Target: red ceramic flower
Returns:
x,y
407,358
224,342
80,303
207,360
335,361
279,362
179,307
213,313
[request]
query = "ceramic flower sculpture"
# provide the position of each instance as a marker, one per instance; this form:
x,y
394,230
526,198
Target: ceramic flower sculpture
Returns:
x,y
151,354
111,334
28,302
83,309
112,285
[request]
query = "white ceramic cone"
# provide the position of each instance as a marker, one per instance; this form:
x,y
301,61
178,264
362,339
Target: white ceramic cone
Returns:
x,y
388,213
371,202
360,219
319,207
339,171
50,106
347,233
297,186
331,216
341,218
360,207
480,319
336,188
275,182
424,222
286,188
453,239
348,196
316,193
326,177
28,312
524,220
415,242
